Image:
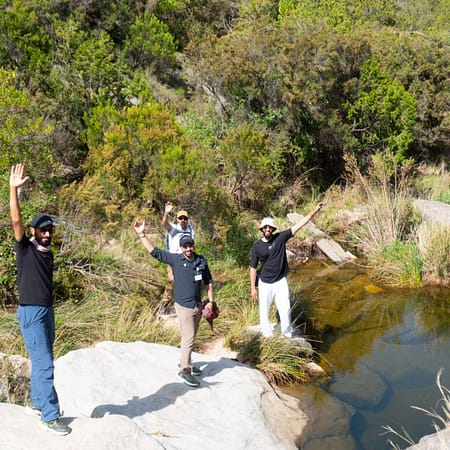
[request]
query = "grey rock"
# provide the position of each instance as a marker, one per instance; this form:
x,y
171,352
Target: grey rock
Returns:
x,y
127,396
362,389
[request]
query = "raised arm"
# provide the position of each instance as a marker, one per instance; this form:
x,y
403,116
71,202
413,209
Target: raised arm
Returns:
x,y
165,218
16,180
301,223
139,227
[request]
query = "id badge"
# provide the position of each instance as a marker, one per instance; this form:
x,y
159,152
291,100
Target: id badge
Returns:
x,y
198,277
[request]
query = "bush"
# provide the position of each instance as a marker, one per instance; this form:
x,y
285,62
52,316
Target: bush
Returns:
x,y
398,264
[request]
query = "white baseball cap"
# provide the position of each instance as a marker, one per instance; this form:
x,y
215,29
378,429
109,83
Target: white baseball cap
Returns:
x,y
267,221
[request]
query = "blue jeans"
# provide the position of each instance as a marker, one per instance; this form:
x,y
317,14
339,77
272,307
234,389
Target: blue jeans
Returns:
x,y
37,324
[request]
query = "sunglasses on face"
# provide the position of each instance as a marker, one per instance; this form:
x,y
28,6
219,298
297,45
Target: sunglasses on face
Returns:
x,y
184,218
46,230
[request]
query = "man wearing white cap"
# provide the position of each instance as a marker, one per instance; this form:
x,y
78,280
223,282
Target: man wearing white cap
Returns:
x,y
270,254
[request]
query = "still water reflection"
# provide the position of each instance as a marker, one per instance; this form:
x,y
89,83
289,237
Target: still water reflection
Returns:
x,y
383,348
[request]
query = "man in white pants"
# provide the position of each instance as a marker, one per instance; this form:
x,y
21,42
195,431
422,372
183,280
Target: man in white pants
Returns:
x,y
270,253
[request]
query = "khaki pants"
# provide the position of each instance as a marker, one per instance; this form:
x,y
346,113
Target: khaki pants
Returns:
x,y
188,321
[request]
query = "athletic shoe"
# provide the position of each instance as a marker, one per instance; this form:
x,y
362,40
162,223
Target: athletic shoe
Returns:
x,y
56,427
196,371
188,379
31,410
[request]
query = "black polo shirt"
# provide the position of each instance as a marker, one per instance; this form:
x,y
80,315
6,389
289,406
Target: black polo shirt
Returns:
x,y
187,276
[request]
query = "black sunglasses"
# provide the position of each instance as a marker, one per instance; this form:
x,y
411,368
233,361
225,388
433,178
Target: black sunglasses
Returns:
x,y
182,218
46,230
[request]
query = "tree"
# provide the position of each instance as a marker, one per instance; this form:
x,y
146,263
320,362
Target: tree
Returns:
x,y
383,115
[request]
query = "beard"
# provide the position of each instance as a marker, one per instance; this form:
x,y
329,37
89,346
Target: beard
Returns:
x,y
268,235
45,242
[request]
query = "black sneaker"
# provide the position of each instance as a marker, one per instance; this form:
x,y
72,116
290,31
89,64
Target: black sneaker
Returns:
x,y
196,371
188,379
56,427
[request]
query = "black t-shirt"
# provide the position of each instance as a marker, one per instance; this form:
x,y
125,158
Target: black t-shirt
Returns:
x,y
187,276
34,274
272,256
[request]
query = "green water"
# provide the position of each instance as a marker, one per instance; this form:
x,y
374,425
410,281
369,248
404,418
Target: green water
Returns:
x,y
383,348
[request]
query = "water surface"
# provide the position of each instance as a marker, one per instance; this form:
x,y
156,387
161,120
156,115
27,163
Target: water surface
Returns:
x,y
383,348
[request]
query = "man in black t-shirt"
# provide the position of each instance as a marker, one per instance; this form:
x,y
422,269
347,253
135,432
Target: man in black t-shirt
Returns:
x,y
270,254
34,261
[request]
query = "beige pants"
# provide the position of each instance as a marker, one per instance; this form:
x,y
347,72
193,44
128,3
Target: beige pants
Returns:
x,y
189,321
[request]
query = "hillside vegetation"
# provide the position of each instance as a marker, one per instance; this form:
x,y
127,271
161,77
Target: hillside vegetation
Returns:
x,y
231,110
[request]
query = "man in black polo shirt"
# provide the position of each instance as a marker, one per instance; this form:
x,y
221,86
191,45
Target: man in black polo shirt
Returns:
x,y
190,270
35,312
268,255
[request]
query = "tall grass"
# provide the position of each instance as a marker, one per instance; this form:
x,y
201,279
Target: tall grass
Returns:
x,y
276,357
434,247
398,264
433,183
389,210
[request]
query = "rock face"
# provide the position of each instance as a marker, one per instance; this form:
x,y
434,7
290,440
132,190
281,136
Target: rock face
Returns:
x,y
354,388
329,428
14,378
434,211
127,396
436,441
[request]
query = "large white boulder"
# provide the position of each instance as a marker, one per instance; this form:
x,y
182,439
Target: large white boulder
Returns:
x,y
127,396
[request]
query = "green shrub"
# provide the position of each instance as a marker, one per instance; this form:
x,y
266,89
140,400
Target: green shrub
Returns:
x,y
398,264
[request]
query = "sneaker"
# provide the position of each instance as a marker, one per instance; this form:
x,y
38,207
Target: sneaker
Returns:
x,y
188,379
196,371
32,410
56,427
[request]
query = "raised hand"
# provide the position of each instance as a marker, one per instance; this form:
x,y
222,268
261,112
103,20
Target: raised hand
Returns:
x,y
168,207
16,179
139,226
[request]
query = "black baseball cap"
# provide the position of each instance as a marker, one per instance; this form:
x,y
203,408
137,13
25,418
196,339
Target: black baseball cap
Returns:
x,y
41,221
186,239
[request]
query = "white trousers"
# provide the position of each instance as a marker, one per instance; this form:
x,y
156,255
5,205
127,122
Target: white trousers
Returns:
x,y
280,292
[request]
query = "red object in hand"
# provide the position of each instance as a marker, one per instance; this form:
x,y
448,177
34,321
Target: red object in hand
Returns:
x,y
210,313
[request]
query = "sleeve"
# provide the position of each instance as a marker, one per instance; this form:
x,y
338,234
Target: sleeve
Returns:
x,y
173,230
286,235
254,259
163,256
207,277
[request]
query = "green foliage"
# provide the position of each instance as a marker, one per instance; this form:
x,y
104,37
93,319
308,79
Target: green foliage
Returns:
x,y
399,264
23,131
150,43
245,147
8,291
134,150
24,44
383,115
189,19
